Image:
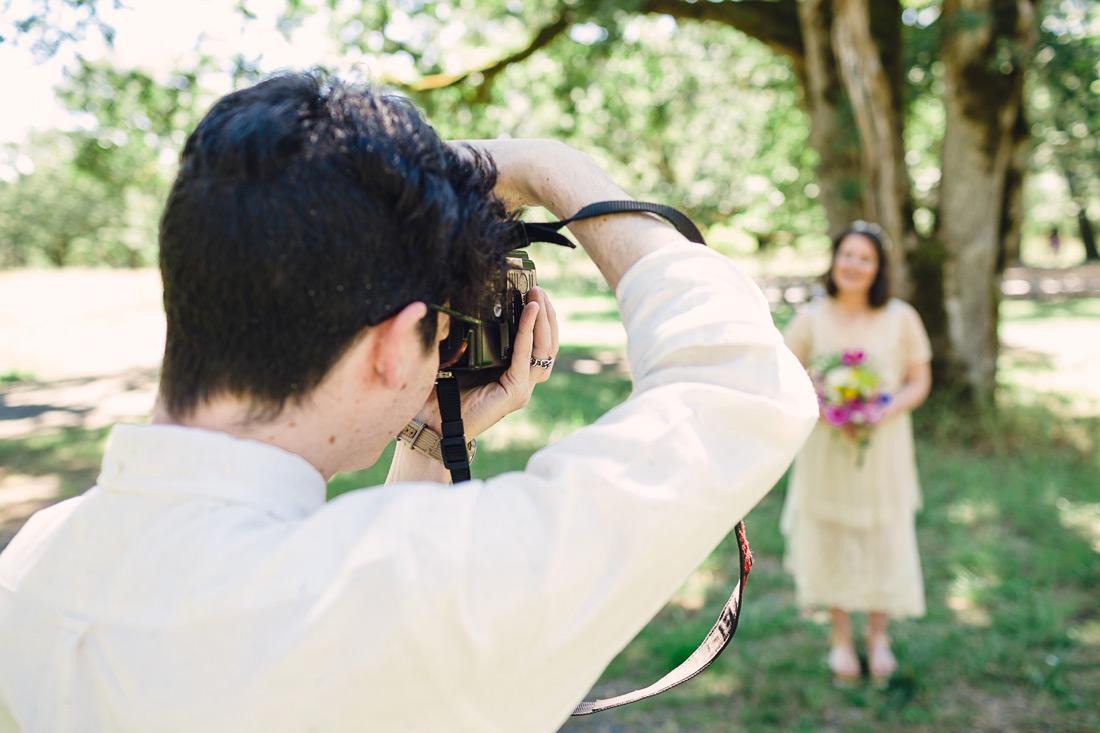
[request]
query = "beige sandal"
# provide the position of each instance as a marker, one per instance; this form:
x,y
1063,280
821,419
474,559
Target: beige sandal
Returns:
x,y
843,660
881,662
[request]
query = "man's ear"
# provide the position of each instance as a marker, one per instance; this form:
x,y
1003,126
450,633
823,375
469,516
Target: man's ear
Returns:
x,y
399,343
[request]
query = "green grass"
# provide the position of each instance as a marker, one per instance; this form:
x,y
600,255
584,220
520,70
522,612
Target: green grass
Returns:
x,y
16,375
1033,310
1010,546
71,454
1009,539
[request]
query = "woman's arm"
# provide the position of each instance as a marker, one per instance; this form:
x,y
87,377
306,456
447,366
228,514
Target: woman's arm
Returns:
x,y
913,391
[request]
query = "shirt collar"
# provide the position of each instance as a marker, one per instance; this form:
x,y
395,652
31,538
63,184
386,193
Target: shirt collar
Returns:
x,y
192,462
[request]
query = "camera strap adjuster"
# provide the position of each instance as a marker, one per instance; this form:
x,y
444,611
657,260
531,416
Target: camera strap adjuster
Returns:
x,y
455,455
453,442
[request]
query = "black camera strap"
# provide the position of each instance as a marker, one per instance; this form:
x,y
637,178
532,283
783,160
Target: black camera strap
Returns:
x,y
548,231
453,444
456,461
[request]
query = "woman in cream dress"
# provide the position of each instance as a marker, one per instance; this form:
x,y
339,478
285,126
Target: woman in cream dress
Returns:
x,y
849,518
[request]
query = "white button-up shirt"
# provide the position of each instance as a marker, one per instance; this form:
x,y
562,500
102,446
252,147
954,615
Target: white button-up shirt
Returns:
x,y
204,584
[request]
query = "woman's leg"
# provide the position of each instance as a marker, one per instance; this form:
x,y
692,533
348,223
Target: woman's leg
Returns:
x,y
843,660
880,659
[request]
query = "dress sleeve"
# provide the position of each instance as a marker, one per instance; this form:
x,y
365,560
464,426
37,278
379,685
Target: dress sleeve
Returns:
x,y
914,338
799,336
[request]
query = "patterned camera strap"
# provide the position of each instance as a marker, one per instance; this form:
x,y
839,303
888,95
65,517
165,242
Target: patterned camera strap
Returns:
x,y
722,632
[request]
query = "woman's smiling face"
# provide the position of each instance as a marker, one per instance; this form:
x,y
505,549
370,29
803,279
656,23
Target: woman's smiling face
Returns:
x,y
855,264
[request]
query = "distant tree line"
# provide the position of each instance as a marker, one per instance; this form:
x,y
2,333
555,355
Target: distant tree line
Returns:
x,y
780,119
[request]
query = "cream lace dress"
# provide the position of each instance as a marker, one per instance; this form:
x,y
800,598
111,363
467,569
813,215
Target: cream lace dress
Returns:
x,y
849,525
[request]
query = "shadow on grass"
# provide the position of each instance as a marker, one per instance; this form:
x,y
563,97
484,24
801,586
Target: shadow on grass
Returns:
x,y
71,454
41,469
1037,310
1012,360
1009,539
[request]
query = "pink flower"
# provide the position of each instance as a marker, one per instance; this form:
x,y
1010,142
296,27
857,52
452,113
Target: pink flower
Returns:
x,y
852,358
835,415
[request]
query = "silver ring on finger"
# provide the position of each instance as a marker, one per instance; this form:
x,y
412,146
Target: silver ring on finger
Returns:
x,y
544,363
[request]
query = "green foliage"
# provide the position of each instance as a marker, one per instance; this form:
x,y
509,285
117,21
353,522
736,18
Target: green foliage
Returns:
x,y
693,114
48,24
139,122
94,194
1064,103
58,214
924,118
16,375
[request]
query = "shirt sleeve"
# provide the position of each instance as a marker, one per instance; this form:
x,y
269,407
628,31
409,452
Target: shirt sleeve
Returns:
x,y
517,591
799,336
915,340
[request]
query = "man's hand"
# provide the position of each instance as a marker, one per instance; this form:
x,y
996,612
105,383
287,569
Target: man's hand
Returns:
x,y
484,406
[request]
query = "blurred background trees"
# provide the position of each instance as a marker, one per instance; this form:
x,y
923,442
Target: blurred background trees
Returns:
x,y
771,122
1064,107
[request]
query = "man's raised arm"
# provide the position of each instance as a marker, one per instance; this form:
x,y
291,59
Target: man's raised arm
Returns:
x,y
564,180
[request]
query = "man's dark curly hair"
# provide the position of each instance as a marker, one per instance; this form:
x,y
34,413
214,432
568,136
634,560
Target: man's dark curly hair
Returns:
x,y
305,210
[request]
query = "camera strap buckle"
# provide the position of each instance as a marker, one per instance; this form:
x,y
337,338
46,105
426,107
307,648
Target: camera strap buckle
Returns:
x,y
453,442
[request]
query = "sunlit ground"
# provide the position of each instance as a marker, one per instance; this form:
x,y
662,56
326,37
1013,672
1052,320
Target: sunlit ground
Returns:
x,y
1010,533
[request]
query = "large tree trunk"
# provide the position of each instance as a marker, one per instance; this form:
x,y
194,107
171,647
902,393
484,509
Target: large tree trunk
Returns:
x,y
917,271
1012,213
984,48
1088,238
846,54
833,132
1084,226
876,96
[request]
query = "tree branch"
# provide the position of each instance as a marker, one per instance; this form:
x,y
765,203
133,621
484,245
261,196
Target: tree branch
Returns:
x,y
541,39
772,22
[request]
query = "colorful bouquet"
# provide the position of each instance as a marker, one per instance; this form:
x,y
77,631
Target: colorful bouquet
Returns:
x,y
849,395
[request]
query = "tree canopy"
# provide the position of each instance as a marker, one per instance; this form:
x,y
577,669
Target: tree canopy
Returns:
x,y
767,120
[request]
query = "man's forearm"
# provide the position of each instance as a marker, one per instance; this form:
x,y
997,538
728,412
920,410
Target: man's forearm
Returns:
x,y
564,180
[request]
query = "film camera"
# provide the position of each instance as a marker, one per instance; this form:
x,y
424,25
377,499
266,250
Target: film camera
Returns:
x,y
483,343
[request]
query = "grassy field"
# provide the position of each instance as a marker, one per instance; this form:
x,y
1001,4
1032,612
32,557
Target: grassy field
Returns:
x,y
1010,543
1009,538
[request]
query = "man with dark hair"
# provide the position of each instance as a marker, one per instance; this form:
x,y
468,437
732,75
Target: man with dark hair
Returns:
x,y
314,239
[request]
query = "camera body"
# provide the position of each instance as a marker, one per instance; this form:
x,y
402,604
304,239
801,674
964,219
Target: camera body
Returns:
x,y
485,347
